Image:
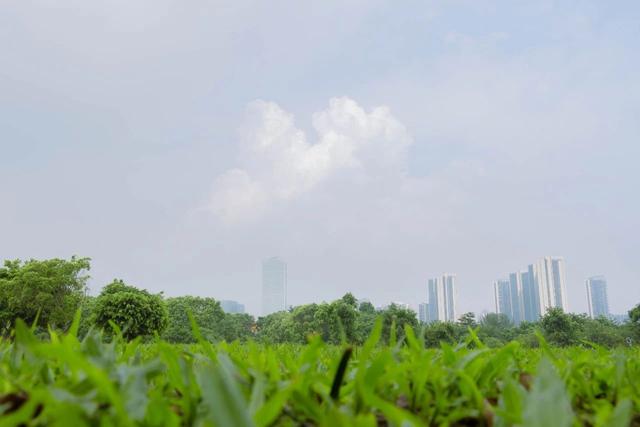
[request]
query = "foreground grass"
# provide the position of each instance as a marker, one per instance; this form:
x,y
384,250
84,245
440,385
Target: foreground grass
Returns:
x,y
64,381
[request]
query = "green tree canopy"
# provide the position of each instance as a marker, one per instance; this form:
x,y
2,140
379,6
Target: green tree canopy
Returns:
x,y
436,333
206,312
53,288
366,307
399,316
135,311
237,326
634,314
468,320
560,328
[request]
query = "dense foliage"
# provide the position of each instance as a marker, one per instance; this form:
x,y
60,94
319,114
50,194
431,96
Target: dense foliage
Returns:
x,y
206,312
134,311
65,381
52,290
342,320
46,292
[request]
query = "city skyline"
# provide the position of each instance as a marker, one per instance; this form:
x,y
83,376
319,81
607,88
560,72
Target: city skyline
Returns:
x,y
525,296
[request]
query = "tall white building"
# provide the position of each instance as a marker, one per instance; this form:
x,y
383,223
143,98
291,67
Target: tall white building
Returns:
x,y
274,285
597,296
441,293
558,283
534,291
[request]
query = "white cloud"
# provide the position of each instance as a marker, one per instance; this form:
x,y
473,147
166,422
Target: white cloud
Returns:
x,y
277,163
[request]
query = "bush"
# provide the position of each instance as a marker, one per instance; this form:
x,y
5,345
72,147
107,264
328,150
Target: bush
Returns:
x,y
136,312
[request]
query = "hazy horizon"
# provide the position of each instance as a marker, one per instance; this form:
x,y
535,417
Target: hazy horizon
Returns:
x,y
369,145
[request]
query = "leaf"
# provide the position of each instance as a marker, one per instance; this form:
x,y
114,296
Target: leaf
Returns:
x,y
75,325
221,396
622,414
548,403
339,376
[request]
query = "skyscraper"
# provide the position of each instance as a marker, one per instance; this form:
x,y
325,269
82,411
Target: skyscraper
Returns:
x,y
529,296
441,292
517,302
274,285
559,283
535,290
544,287
502,295
423,312
597,296
509,297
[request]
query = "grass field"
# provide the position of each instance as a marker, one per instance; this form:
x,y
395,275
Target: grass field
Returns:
x,y
64,381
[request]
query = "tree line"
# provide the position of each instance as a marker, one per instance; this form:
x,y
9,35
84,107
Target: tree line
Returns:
x,y
48,293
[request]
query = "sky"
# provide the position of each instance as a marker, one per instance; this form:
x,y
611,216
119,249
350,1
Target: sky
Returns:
x,y
371,144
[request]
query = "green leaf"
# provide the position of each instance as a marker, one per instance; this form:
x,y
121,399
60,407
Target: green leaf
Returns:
x,y
548,403
221,397
622,414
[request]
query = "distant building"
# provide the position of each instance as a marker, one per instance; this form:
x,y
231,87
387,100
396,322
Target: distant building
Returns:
x,y
530,296
619,318
558,277
274,285
502,298
441,293
423,312
533,292
597,296
232,307
517,298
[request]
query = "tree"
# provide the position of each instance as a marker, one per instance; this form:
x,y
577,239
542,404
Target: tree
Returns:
x,y
206,312
86,315
350,300
468,320
365,321
345,312
50,290
136,312
436,333
634,322
236,326
275,328
366,307
634,314
604,332
495,329
559,328
401,317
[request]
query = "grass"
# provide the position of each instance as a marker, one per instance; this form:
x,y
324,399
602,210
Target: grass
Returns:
x,y
65,381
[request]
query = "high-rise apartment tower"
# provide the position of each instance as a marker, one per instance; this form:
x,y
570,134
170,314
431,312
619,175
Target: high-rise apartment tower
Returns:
x,y
441,293
274,285
597,296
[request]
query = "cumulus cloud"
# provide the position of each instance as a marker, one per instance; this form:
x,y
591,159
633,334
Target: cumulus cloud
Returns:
x,y
277,163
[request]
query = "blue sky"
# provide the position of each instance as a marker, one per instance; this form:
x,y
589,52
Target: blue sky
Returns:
x,y
464,136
